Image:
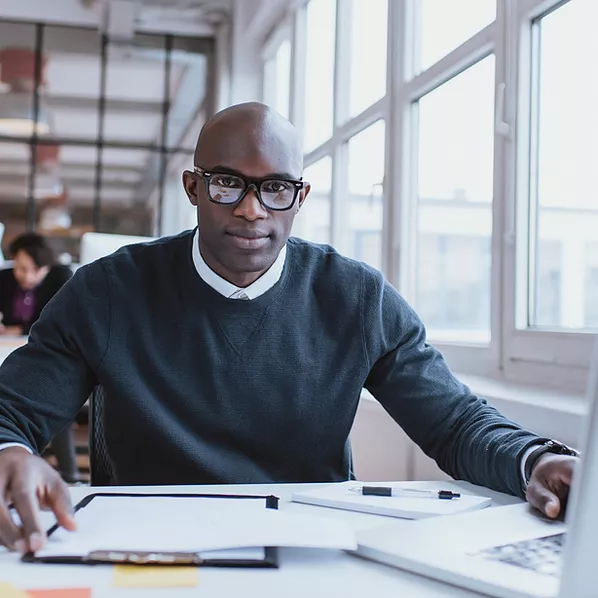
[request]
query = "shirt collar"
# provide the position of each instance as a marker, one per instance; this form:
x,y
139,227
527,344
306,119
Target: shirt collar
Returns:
x,y
264,283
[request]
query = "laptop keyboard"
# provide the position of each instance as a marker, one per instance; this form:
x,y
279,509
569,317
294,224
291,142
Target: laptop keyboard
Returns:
x,y
542,555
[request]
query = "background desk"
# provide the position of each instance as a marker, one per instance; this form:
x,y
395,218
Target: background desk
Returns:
x,y
303,573
9,343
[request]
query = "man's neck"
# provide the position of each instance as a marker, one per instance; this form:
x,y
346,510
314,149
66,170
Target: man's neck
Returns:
x,y
239,279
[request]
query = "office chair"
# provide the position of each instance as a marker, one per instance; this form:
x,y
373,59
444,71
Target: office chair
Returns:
x,y
101,472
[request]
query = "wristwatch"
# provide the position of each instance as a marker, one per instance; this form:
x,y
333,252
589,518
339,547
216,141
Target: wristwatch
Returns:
x,y
550,446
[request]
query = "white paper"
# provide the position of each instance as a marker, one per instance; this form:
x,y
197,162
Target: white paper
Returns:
x,y
191,525
248,554
338,496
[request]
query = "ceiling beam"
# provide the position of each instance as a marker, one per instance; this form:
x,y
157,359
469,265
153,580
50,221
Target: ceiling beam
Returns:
x,y
71,102
77,13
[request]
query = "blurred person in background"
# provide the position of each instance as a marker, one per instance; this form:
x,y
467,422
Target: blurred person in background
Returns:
x,y
32,281
25,289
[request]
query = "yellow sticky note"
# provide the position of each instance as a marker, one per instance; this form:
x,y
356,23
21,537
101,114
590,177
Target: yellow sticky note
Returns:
x,y
154,576
9,591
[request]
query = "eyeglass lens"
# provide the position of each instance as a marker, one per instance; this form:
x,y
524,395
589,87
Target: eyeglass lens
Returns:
x,y
227,188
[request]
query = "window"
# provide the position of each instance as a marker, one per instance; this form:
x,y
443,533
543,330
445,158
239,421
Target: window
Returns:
x,y
549,288
453,282
564,201
277,79
369,22
454,204
110,119
470,178
363,227
445,25
319,75
313,221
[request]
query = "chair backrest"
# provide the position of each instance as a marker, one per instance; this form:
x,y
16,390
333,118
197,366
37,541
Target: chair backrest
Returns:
x,y
101,472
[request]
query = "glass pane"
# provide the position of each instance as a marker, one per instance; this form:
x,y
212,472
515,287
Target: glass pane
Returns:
x,y
454,206
369,21
313,221
319,76
366,177
135,91
445,25
14,185
277,79
130,191
73,81
17,82
283,78
189,91
566,203
177,212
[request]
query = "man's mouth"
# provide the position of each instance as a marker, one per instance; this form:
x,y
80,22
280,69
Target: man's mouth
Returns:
x,y
247,239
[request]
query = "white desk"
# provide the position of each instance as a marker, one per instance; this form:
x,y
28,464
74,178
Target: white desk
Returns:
x,y
9,343
303,573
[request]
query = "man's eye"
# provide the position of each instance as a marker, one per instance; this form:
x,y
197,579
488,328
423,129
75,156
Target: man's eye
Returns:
x,y
226,181
275,186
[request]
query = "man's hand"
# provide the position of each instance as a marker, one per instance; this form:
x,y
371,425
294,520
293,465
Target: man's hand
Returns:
x,y
549,484
30,484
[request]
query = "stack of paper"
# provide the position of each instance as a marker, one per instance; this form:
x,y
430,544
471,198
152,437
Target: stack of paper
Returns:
x,y
339,496
199,525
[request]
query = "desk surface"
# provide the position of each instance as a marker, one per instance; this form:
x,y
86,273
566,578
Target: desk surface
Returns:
x,y
303,573
9,343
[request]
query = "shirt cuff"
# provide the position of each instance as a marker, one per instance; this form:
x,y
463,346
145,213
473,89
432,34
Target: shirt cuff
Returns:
x,y
524,459
6,445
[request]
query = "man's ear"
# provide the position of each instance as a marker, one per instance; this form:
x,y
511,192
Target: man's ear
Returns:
x,y
190,186
303,196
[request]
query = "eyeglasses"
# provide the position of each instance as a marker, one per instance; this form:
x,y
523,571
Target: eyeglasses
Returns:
x,y
229,189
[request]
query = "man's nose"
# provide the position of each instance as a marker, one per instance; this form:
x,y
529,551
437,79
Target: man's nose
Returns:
x,y
250,207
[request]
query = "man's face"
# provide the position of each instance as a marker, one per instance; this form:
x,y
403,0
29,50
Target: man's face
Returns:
x,y
240,242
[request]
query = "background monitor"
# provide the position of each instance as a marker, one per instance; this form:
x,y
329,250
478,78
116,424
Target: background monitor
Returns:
x,y
97,245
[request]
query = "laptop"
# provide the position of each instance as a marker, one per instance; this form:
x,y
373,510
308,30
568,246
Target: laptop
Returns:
x,y
511,551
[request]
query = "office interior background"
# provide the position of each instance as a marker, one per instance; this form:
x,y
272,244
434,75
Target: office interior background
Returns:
x,y
450,143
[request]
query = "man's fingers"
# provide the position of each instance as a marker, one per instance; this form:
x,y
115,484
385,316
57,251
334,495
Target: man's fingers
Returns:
x,y
59,500
9,532
544,500
27,506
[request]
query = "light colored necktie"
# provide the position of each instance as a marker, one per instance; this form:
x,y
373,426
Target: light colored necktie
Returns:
x,y
239,294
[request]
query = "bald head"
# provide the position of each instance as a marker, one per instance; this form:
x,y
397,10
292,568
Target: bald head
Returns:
x,y
251,135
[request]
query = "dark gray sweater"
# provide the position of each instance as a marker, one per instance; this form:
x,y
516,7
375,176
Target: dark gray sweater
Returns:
x,y
204,389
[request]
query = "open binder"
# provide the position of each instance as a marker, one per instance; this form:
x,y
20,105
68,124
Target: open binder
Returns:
x,y
218,557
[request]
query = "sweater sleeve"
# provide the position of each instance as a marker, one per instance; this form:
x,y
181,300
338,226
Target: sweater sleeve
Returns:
x,y
44,384
58,276
469,439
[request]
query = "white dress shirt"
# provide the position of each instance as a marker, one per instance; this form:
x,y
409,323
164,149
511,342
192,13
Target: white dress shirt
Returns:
x,y
264,283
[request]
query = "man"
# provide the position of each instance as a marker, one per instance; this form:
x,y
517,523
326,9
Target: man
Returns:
x,y
234,354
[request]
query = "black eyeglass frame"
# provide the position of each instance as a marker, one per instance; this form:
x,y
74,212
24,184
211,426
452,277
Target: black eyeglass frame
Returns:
x,y
256,183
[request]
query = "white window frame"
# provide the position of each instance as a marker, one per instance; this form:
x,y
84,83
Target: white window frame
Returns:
x,y
555,356
540,357
344,128
401,176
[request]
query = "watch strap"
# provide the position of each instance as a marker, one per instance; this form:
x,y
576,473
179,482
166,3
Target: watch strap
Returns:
x,y
550,446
